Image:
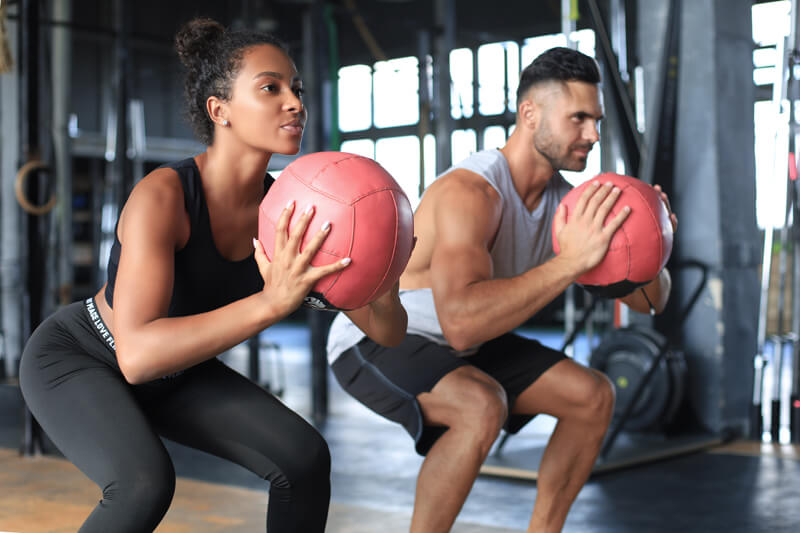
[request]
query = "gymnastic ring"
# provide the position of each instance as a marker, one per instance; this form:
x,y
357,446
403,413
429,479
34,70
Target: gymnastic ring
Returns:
x,y
19,183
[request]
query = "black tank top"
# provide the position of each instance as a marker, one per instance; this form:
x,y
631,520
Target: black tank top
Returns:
x,y
204,280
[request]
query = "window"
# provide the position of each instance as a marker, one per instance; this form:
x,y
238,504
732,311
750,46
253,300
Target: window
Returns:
x,y
355,98
396,86
483,104
400,157
771,122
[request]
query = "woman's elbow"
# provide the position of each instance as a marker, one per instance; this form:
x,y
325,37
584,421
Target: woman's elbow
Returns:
x,y
396,334
133,373
394,340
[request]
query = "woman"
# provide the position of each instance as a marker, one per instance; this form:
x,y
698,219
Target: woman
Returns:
x,y
107,376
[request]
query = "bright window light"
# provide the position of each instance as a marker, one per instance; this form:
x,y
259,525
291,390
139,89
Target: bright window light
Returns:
x,y
355,98
396,85
491,79
494,137
771,21
429,143
400,157
363,147
464,143
513,66
461,87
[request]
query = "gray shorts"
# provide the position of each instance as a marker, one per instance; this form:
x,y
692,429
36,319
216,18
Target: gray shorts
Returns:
x,y
388,380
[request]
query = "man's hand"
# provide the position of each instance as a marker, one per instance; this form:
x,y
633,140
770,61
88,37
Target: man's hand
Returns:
x,y
583,238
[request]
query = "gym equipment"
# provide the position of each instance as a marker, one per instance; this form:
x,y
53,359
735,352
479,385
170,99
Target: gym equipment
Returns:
x,y
639,250
625,356
371,222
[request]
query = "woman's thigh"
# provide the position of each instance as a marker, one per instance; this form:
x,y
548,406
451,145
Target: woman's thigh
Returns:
x,y
219,411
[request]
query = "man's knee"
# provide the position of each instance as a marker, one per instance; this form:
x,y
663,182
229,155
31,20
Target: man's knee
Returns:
x,y
473,401
599,399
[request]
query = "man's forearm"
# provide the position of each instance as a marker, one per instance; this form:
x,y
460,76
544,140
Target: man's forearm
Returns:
x,y
487,309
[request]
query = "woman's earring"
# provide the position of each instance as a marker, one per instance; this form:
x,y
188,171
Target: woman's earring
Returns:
x,y
225,123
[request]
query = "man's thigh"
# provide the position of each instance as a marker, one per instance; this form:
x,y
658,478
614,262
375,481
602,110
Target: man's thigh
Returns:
x,y
517,363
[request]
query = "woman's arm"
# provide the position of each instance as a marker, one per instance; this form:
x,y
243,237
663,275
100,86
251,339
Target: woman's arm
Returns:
x,y
150,344
384,320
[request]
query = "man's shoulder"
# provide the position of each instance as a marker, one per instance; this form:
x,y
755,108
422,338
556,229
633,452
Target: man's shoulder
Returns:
x,y
483,162
463,181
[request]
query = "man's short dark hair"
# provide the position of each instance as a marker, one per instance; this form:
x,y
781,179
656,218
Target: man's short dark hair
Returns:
x,y
558,64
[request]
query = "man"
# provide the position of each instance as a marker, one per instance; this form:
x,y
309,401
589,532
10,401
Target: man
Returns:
x,y
483,265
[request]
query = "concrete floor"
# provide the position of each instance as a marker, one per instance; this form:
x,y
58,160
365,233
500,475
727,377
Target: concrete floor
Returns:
x,y
742,487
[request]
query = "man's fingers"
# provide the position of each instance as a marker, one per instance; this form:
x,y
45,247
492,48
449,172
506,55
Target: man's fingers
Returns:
x,y
604,208
586,195
615,223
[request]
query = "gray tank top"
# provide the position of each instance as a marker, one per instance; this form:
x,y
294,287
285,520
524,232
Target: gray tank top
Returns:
x,y
523,241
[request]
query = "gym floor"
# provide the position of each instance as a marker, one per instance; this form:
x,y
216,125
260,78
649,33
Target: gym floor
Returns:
x,y
733,487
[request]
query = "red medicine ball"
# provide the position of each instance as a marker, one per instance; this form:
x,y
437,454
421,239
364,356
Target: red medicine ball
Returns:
x,y
371,222
640,247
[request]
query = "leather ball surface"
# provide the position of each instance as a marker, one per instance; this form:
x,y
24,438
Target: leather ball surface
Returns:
x,y
641,246
371,222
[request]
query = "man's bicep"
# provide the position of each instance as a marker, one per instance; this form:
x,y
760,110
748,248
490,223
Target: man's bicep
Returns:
x,y
465,225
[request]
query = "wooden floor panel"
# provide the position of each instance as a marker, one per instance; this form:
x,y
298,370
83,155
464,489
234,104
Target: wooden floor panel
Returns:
x,y
49,495
46,494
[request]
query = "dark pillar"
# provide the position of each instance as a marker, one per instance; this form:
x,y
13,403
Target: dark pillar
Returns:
x,y
713,196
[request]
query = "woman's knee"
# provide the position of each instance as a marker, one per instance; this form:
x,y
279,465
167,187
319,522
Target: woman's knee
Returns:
x,y
307,464
147,491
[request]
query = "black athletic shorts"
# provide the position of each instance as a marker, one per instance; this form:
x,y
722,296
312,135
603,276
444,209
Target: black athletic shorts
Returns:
x,y
388,380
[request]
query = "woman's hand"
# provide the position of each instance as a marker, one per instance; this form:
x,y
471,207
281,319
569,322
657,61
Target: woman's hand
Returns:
x,y
289,277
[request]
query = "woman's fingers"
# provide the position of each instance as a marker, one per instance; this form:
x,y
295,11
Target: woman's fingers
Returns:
x,y
299,228
317,273
313,246
282,227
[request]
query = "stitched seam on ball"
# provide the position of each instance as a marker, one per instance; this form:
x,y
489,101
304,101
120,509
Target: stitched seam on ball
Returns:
x,y
308,183
354,199
655,224
321,170
274,224
394,248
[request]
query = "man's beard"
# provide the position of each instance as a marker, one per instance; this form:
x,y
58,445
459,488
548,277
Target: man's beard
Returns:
x,y
559,157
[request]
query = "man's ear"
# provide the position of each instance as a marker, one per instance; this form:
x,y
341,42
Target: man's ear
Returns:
x,y
529,113
217,110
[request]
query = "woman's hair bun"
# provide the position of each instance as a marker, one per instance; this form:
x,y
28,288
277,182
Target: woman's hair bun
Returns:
x,y
197,38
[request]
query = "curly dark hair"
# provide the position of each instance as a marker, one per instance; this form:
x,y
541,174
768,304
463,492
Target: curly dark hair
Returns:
x,y
558,64
212,56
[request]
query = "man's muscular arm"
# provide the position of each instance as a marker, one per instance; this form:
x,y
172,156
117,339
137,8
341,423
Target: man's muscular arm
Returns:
x,y
471,306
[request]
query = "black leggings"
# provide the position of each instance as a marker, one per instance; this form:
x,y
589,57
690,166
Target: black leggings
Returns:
x,y
110,429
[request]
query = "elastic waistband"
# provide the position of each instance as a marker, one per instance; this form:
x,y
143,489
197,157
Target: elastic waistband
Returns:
x,y
97,322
